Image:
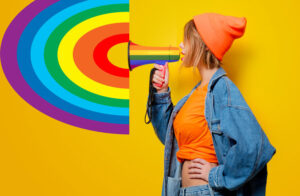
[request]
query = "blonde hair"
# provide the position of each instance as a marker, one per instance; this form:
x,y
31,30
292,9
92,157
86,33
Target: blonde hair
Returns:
x,y
196,50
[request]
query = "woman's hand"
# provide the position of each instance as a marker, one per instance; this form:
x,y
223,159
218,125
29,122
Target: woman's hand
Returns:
x,y
158,78
200,168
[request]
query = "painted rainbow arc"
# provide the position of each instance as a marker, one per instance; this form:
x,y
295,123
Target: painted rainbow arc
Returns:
x,y
54,55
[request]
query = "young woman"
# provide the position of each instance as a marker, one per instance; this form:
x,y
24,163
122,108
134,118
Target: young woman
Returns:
x,y
213,142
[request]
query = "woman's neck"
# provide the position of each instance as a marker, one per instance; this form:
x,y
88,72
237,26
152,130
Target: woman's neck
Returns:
x,y
206,74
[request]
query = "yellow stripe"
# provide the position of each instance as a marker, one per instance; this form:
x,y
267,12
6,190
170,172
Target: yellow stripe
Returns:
x,y
66,61
154,52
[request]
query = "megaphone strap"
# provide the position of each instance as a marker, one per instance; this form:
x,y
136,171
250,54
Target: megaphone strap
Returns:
x,y
152,90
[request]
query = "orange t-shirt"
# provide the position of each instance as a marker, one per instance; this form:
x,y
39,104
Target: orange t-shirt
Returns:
x,y
191,129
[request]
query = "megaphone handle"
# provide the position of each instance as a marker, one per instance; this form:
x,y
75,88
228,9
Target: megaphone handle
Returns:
x,y
163,72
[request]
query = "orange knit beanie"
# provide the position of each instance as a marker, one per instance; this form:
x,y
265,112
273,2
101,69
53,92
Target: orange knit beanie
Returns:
x,y
219,31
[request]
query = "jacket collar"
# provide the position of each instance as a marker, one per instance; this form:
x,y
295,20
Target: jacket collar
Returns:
x,y
219,73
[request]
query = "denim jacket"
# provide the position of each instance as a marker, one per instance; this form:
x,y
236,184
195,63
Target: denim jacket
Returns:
x,y
241,146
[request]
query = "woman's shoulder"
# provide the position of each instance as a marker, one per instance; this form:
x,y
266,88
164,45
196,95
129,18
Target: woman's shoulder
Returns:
x,y
229,94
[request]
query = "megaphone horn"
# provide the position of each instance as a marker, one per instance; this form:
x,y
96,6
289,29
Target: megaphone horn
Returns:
x,y
140,55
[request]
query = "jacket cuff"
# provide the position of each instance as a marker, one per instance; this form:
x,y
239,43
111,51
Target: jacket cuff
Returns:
x,y
164,97
214,177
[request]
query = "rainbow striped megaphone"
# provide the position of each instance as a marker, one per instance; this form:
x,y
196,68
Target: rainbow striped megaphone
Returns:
x,y
141,55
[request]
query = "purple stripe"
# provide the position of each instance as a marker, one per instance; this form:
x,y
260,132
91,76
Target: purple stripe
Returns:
x,y
136,63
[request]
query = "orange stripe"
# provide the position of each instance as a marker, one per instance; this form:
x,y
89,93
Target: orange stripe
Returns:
x,y
83,55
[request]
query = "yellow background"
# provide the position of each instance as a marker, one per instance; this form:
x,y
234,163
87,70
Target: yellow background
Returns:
x,y
42,156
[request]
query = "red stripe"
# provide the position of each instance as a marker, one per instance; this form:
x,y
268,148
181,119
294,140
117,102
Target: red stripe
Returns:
x,y
100,55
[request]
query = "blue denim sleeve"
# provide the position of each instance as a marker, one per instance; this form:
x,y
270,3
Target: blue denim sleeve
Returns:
x,y
161,111
248,153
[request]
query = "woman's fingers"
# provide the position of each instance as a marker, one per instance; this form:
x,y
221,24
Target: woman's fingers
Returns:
x,y
201,161
194,171
195,165
157,66
197,176
158,73
159,81
158,78
159,84
156,86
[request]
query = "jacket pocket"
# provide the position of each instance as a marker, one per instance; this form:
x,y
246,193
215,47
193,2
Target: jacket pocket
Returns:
x,y
173,186
221,141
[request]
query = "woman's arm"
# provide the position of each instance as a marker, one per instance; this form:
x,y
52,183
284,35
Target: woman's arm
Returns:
x,y
162,108
249,153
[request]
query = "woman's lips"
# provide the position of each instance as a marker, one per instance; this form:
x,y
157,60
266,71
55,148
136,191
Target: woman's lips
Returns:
x,y
182,55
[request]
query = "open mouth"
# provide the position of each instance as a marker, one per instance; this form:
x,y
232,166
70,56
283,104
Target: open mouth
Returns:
x,y
182,56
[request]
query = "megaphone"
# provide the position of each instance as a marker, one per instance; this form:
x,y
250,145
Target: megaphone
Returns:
x,y
141,55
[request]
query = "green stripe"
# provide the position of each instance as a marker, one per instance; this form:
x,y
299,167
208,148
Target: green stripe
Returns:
x,y
51,58
154,57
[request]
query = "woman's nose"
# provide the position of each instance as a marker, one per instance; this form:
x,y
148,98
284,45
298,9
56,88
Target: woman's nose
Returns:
x,y
181,45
